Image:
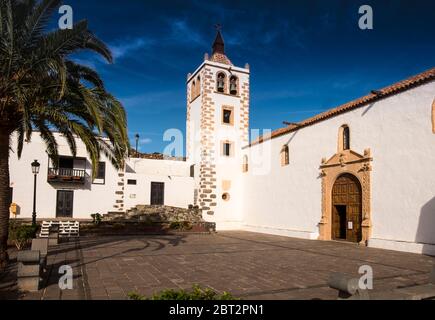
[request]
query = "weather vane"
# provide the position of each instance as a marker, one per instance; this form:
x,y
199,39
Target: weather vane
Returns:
x,y
218,27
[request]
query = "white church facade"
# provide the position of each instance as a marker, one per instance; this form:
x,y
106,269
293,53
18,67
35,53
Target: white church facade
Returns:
x,y
361,172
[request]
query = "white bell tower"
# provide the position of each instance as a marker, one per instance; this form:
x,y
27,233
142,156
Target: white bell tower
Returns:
x,y
217,129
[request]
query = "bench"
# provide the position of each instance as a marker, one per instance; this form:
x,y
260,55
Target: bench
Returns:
x,y
50,230
348,289
59,229
29,270
69,229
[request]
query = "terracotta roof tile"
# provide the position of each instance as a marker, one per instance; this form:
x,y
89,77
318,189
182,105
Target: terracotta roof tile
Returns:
x,y
396,88
220,58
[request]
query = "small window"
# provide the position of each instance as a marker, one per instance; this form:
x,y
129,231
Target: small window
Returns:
x,y
101,172
193,91
285,156
132,182
192,171
226,197
220,82
228,115
245,167
227,149
198,87
234,86
346,138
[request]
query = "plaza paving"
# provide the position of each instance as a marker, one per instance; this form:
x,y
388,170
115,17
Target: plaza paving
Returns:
x,y
249,265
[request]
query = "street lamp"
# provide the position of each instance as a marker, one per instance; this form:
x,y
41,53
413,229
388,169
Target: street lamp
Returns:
x,y
137,142
35,171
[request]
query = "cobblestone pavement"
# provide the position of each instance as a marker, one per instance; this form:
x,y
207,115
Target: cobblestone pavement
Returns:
x,y
249,265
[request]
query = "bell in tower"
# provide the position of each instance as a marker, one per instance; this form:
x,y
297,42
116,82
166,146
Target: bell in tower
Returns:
x,y
221,82
233,85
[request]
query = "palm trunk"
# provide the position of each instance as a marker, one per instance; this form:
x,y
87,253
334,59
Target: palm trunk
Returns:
x,y
4,196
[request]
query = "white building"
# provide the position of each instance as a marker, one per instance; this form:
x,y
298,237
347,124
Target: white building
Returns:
x,y
68,191
361,172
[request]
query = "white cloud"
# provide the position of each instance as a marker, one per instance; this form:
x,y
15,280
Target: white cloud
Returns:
x,y
123,48
141,142
145,141
154,102
183,33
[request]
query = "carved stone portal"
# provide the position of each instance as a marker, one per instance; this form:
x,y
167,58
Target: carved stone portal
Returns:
x,y
350,162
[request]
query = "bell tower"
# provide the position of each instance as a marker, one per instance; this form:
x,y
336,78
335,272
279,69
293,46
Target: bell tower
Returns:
x,y
217,129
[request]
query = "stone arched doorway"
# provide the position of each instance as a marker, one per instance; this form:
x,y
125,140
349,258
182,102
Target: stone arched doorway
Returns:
x,y
352,171
346,209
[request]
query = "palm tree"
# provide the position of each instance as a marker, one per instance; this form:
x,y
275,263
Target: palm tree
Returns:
x,y
42,89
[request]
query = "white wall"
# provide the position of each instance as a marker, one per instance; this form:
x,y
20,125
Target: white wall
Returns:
x,y
158,167
92,198
85,196
228,214
178,190
398,130
175,175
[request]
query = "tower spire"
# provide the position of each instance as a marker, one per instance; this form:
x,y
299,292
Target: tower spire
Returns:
x,y
219,45
218,54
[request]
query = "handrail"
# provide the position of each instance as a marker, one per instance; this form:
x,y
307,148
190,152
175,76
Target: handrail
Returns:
x,y
67,172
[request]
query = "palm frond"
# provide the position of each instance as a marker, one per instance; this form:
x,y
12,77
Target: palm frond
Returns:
x,y
20,140
41,88
49,139
96,45
38,19
80,72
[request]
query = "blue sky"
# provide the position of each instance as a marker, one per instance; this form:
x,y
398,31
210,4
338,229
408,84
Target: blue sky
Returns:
x,y
305,56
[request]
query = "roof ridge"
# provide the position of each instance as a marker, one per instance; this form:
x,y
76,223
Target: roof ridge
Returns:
x,y
387,91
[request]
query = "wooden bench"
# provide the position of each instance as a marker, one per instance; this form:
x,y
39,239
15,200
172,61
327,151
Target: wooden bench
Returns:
x,y
348,289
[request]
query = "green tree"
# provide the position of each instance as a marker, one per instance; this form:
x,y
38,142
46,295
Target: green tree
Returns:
x,y
42,89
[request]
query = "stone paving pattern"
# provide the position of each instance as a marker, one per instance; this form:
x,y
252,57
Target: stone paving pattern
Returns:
x,y
248,265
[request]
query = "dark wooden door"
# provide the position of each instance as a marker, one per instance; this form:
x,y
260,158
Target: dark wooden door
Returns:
x,y
64,206
346,204
157,193
339,221
66,163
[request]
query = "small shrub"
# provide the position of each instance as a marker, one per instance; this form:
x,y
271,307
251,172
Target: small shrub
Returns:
x,y
96,218
197,293
21,235
180,225
135,296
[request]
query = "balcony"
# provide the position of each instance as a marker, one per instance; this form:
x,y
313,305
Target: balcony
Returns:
x,y
66,175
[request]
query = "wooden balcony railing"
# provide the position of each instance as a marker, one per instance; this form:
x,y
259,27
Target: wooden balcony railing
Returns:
x,y
66,175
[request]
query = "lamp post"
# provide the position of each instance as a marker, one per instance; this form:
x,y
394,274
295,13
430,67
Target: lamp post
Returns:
x,y
35,171
137,142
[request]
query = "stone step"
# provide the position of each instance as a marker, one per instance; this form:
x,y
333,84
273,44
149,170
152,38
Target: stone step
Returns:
x,y
157,214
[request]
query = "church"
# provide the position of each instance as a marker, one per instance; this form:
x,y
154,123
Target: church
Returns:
x,y
360,172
